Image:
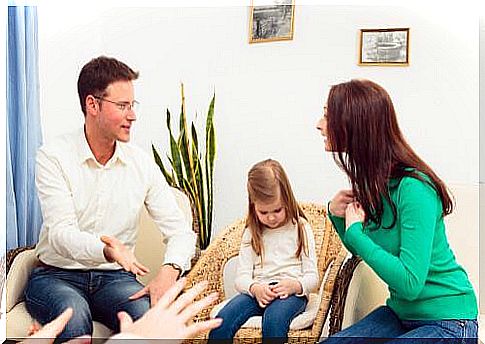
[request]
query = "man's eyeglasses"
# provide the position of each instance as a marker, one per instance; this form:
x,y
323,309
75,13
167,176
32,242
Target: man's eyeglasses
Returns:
x,y
122,106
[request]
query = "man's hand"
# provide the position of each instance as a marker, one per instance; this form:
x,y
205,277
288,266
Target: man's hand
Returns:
x,y
287,287
263,294
171,317
115,251
166,278
340,202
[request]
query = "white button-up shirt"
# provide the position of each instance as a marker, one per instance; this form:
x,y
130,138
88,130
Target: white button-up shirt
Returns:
x,y
81,200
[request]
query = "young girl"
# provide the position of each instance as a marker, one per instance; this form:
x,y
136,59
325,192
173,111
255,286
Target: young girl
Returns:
x,y
277,264
393,219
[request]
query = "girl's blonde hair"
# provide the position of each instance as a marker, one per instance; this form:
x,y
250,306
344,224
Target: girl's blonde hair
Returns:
x,y
266,180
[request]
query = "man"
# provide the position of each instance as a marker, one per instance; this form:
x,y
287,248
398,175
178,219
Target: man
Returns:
x,y
92,185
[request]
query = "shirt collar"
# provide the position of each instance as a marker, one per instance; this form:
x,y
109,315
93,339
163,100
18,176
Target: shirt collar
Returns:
x,y
86,154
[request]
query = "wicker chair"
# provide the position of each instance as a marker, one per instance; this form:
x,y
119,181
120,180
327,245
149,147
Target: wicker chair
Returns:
x,y
210,267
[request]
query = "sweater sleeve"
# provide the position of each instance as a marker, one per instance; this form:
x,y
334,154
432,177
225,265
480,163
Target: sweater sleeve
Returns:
x,y
418,208
245,265
339,225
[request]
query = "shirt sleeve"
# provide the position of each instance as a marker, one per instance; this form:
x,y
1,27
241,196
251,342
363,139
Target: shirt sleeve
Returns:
x,y
339,225
245,265
59,215
309,281
418,208
170,220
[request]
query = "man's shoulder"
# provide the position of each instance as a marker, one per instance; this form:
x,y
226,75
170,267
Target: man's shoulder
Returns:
x,y
61,144
135,153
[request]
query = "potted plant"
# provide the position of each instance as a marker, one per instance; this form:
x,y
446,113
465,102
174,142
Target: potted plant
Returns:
x,y
191,169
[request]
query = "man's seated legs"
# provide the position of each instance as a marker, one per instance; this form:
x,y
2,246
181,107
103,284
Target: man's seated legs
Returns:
x,y
112,296
94,295
50,291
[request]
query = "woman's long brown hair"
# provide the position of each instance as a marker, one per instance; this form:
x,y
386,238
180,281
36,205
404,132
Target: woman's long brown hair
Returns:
x,y
267,180
369,147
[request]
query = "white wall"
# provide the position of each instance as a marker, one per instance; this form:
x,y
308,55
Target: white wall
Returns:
x,y
482,150
269,96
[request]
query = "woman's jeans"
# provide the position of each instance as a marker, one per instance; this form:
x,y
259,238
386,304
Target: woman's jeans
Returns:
x,y
277,317
383,326
93,295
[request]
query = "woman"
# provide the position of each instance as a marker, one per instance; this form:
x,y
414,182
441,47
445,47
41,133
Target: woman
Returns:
x,y
393,219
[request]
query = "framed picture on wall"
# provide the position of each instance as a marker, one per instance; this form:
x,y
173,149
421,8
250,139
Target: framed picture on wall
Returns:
x,y
388,47
271,20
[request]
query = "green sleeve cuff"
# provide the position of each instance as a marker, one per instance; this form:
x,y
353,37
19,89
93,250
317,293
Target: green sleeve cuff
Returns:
x,y
337,221
358,240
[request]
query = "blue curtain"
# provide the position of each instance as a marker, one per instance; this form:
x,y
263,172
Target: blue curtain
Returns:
x,y
24,135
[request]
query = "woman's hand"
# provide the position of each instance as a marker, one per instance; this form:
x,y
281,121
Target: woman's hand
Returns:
x,y
263,294
48,333
354,213
339,202
287,287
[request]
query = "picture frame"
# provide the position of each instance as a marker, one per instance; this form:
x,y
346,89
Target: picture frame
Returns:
x,y
271,20
384,47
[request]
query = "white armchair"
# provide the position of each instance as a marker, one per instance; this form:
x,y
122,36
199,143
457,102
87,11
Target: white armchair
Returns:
x,y
149,250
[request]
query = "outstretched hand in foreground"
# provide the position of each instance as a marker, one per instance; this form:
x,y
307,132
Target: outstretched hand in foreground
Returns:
x,y
170,318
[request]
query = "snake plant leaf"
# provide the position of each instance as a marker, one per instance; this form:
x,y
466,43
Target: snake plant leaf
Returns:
x,y
209,160
203,206
195,148
159,162
191,168
168,120
170,160
176,161
194,136
184,152
175,152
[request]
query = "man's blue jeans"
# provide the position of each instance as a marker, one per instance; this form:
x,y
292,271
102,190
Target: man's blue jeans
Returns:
x,y
93,294
383,326
277,317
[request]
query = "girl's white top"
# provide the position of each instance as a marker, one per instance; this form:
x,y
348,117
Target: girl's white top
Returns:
x,y
279,260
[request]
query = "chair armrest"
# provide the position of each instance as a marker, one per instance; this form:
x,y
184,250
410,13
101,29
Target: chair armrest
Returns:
x,y
19,265
330,286
210,266
339,296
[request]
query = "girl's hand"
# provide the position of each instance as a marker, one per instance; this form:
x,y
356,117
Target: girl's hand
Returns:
x,y
287,287
263,294
340,201
354,213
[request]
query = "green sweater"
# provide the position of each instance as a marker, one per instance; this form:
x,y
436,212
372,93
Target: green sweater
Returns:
x,y
413,257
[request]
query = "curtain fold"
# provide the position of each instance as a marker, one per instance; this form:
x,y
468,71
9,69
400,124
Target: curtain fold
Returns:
x,y
24,135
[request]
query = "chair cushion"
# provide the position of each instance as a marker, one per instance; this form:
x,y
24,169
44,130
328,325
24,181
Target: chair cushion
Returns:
x,y
302,321
18,276
19,321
